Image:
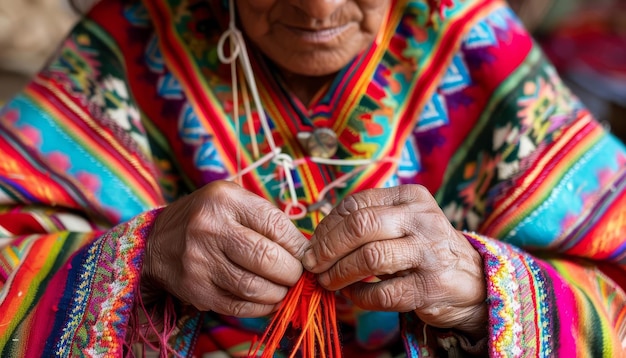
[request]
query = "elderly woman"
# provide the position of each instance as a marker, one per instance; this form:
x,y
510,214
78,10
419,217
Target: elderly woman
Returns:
x,y
168,179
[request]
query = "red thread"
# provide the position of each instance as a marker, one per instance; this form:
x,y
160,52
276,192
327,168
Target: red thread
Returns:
x,y
155,333
311,309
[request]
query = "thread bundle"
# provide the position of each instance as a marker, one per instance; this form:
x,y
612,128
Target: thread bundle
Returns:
x,y
308,307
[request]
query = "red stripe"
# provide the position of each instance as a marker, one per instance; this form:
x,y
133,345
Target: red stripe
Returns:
x,y
421,93
101,141
183,67
47,309
31,179
21,223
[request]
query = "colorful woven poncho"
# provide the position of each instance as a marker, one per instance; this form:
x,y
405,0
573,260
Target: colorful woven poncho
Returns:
x,y
135,110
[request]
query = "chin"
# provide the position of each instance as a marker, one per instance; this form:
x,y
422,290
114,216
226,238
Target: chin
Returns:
x,y
314,72
315,67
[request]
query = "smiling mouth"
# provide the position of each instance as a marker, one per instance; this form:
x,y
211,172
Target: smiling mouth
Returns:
x,y
319,35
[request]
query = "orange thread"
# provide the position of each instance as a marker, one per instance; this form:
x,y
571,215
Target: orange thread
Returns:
x,y
311,309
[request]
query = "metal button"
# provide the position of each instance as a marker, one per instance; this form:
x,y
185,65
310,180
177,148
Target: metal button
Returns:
x,y
322,142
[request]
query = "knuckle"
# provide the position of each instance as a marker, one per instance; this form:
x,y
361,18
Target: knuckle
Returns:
x,y
223,198
239,246
191,254
375,258
421,291
416,191
324,250
250,286
361,222
348,205
239,308
217,191
434,310
264,252
275,222
389,297
219,188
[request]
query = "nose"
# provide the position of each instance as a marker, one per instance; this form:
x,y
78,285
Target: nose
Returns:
x,y
318,9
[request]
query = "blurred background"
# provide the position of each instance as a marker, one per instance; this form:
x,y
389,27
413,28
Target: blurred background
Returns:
x,y
585,39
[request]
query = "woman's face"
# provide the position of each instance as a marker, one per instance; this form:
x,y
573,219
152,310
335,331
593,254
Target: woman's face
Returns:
x,y
312,37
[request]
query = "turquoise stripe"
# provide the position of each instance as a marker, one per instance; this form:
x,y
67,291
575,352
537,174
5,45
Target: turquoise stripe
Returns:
x,y
112,192
567,198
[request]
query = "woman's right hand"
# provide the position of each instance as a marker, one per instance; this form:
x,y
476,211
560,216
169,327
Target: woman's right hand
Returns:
x,y
224,249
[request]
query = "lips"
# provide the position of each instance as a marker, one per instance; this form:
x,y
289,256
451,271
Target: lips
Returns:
x,y
318,36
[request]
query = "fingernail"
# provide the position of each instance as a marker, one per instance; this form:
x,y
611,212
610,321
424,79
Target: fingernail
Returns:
x,y
309,261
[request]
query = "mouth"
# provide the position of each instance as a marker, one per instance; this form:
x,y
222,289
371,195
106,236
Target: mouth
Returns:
x,y
318,36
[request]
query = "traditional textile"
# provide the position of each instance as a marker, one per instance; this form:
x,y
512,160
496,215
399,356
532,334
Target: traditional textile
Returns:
x,y
136,110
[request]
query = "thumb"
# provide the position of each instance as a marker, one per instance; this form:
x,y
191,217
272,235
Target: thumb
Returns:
x,y
265,218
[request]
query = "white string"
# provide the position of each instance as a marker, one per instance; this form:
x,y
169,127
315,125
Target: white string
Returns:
x,y
235,89
235,49
250,122
286,161
346,162
241,52
264,159
238,51
341,181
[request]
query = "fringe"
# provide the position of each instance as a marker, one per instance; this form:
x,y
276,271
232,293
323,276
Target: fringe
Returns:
x,y
152,328
310,309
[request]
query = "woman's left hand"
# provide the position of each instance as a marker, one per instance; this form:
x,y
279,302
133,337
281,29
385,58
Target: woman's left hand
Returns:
x,y
401,236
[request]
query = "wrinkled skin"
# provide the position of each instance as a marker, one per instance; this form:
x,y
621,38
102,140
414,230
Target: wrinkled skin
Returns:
x,y
224,249
293,34
227,250
401,236
284,30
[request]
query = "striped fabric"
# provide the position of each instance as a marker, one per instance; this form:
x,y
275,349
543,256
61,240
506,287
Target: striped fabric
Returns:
x,y
136,110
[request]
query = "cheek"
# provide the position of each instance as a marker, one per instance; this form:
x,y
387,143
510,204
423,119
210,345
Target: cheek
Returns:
x,y
374,13
254,16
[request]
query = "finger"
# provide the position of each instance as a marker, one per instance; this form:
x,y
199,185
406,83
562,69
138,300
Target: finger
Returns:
x,y
383,197
249,286
344,228
360,227
400,294
428,295
378,258
204,278
392,196
354,202
231,305
263,217
266,258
